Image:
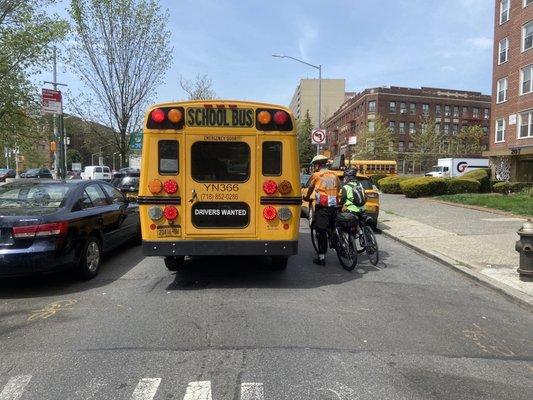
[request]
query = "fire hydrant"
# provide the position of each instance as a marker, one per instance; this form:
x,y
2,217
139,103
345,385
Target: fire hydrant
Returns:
x,y
525,247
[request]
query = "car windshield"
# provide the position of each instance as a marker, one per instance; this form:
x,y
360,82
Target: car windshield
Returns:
x,y
32,171
366,184
41,196
437,169
130,182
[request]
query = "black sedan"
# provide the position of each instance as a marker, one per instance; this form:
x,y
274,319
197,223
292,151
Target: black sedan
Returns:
x,y
6,173
52,225
37,173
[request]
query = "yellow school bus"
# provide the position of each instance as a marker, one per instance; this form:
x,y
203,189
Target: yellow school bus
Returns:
x,y
219,177
372,167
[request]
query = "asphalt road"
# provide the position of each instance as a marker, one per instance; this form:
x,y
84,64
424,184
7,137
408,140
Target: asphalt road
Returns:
x,y
230,328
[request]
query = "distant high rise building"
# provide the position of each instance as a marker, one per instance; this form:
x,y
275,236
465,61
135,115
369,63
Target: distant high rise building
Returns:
x,y
511,131
305,98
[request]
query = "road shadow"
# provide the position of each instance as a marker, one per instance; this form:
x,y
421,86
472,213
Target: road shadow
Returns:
x,y
115,264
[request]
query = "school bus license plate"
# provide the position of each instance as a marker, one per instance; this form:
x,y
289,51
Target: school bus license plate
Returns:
x,y
168,231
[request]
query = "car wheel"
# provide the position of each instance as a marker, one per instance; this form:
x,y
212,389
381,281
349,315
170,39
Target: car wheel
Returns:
x,y
279,263
91,258
174,263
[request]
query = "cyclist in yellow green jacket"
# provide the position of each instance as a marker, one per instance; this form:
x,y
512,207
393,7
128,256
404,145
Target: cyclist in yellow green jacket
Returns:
x,y
352,193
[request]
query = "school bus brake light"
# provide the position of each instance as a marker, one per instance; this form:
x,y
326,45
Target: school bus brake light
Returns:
x,y
264,117
157,115
269,213
170,186
281,117
270,187
170,213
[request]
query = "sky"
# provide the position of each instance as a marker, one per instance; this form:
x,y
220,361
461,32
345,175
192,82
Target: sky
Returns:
x,y
370,43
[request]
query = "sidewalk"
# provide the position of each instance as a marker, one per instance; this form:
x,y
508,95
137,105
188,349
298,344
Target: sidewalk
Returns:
x,y
478,243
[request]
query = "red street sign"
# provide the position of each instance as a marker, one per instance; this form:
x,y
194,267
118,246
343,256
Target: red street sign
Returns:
x,y
51,101
53,95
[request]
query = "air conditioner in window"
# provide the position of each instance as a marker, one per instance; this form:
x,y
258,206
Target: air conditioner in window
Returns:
x,y
403,111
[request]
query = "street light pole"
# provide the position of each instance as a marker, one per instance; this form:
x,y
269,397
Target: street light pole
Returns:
x,y
319,67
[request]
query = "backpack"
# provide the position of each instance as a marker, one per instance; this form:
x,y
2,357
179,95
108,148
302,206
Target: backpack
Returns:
x,y
359,197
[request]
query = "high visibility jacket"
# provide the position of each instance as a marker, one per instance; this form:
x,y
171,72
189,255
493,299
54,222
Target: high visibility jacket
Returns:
x,y
347,197
326,184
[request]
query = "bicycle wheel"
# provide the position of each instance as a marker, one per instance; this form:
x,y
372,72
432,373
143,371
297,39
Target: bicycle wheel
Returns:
x,y
347,250
313,237
371,245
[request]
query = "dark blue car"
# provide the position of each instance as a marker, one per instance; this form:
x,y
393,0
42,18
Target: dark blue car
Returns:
x,y
47,226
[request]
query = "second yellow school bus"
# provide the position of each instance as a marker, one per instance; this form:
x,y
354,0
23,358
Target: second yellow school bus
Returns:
x,y
219,177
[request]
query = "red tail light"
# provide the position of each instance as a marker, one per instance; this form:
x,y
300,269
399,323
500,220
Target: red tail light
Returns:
x,y
270,187
269,213
170,186
30,231
170,213
157,115
281,117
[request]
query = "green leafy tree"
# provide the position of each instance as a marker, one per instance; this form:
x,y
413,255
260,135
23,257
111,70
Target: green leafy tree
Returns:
x,y
73,156
306,149
121,51
428,144
376,142
467,142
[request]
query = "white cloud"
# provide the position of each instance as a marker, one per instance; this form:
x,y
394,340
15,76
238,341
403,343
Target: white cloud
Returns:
x,y
307,36
481,42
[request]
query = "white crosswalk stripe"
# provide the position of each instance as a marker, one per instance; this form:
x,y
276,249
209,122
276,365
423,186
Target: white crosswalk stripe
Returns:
x,y
198,390
15,387
146,389
252,391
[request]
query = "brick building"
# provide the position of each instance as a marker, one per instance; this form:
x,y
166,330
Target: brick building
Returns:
x,y
511,132
403,110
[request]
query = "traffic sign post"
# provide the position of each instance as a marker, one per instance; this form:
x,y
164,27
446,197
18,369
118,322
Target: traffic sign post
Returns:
x,y
52,102
318,136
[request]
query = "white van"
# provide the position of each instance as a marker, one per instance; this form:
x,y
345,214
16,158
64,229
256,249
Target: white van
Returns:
x,y
96,172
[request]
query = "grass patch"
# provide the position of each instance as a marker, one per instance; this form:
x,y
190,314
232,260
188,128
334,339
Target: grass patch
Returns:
x,y
520,204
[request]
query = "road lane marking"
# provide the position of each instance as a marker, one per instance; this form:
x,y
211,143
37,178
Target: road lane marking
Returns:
x,y
252,391
146,389
198,390
15,387
51,309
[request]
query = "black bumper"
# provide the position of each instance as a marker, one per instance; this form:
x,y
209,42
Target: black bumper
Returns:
x,y
221,247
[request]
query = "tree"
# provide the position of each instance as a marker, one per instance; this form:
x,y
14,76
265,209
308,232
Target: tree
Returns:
x,y
376,142
199,89
73,156
121,52
306,149
27,34
428,144
467,142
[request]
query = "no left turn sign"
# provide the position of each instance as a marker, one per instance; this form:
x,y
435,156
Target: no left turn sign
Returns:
x,y
318,136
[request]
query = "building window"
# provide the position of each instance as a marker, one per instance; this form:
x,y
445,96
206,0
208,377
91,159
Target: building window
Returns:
x,y
403,108
526,125
525,79
502,90
371,126
371,106
446,111
465,111
392,126
400,147
503,51
402,127
438,110
411,127
412,108
425,109
485,130
486,113
475,112
527,36
527,2
437,127
504,11
456,112
446,129
411,145
392,107
455,129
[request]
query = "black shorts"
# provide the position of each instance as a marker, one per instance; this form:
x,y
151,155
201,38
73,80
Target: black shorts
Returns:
x,y
324,217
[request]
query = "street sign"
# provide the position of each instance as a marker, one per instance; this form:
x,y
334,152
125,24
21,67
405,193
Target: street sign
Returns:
x,y
76,166
136,140
318,136
352,140
51,102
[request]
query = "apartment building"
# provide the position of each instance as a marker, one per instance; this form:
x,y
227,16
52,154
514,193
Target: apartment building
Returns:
x,y
403,110
511,133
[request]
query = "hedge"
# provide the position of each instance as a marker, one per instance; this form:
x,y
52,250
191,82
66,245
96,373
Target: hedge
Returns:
x,y
519,186
376,178
462,185
391,184
510,187
501,187
482,176
423,186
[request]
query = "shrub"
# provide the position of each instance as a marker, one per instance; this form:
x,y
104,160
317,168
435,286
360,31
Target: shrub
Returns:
x,y
482,176
462,185
423,186
391,184
519,186
376,178
501,187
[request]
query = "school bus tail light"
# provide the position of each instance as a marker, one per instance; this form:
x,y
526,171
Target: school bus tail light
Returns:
x,y
170,213
264,117
157,115
270,187
155,213
269,213
155,186
175,115
285,187
281,117
170,186
284,214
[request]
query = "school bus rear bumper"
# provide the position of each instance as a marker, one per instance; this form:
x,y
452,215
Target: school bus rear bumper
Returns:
x,y
220,247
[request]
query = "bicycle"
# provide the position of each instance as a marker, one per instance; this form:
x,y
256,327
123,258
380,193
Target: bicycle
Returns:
x,y
367,239
340,240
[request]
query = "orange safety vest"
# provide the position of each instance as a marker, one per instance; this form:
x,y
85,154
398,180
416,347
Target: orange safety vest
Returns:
x,y
326,185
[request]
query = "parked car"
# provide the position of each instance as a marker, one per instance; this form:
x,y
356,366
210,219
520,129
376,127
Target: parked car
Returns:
x,y
47,226
37,173
96,172
74,175
127,181
6,173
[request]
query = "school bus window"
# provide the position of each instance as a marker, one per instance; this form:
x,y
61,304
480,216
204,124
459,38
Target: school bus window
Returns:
x,y
220,161
272,152
168,154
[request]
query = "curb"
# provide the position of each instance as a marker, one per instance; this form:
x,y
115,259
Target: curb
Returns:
x,y
479,208
510,293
